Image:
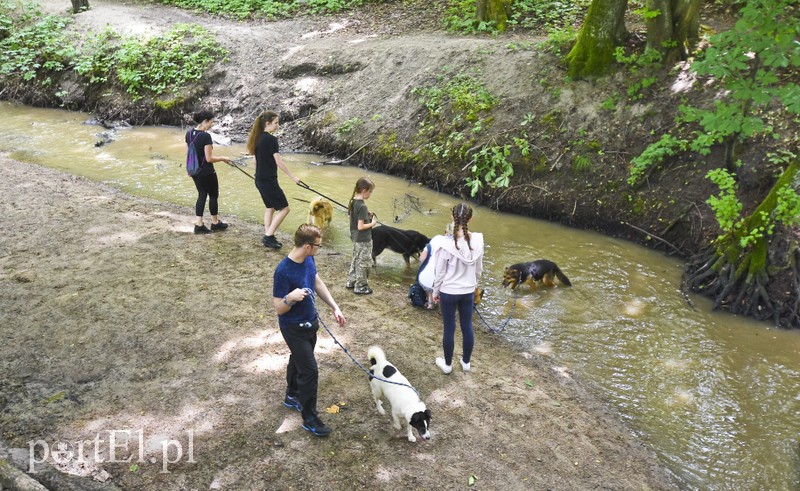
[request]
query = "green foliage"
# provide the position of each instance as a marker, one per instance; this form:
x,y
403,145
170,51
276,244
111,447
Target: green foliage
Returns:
x,y
96,58
639,64
787,209
653,155
490,165
559,40
462,96
550,15
581,163
160,64
610,103
751,62
270,9
32,44
349,125
754,62
457,112
462,16
727,207
35,46
647,14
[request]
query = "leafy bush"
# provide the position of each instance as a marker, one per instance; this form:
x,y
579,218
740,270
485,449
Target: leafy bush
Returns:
x,y
32,43
653,155
162,63
490,165
268,8
550,15
96,58
349,126
726,205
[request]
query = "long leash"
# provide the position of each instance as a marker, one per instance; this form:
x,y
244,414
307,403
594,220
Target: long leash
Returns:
x,y
503,326
241,170
301,184
346,351
306,186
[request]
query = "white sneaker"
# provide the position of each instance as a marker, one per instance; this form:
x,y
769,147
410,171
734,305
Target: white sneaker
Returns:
x,y
444,366
464,366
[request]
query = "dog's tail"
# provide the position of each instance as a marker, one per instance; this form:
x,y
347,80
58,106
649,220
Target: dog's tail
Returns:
x,y
562,277
376,355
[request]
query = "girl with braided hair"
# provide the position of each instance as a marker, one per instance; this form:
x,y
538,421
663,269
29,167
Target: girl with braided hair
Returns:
x,y
459,264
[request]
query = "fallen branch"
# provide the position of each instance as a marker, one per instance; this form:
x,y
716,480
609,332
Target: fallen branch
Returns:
x,y
339,162
654,236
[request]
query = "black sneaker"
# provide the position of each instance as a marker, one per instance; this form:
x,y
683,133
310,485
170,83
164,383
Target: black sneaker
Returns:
x,y
293,402
271,242
349,286
201,229
220,225
363,291
316,426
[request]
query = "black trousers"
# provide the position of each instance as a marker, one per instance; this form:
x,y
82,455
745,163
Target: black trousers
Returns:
x,y
207,188
302,373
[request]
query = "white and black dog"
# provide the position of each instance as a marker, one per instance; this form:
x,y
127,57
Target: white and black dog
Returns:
x,y
403,398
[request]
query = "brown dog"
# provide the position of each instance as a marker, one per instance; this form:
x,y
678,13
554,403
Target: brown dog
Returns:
x,y
541,270
320,212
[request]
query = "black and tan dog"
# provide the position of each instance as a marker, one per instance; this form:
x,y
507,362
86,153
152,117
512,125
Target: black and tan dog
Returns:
x,y
406,242
541,270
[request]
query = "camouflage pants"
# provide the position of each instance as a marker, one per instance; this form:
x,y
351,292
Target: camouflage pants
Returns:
x,y
359,268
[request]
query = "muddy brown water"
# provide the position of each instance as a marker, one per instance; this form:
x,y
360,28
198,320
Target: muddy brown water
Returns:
x,y
716,396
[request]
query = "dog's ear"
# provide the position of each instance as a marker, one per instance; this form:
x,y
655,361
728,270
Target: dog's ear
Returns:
x,y
428,413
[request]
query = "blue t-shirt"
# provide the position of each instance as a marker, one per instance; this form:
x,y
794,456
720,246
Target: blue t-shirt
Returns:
x,y
288,276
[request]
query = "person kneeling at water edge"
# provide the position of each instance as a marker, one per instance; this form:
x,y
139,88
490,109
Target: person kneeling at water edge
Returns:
x,y
295,283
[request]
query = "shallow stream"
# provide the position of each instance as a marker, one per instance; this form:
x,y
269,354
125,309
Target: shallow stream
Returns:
x,y
716,396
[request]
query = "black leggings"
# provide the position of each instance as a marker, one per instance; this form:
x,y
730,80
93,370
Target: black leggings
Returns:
x,y
207,186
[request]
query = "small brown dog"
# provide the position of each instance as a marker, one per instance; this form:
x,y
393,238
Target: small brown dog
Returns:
x,y
320,213
478,295
529,273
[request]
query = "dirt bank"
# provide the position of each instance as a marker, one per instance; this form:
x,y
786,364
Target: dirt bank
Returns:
x,y
116,317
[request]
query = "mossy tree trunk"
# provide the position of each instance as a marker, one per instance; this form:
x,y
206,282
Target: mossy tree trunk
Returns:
x,y
739,278
79,6
602,30
496,12
674,30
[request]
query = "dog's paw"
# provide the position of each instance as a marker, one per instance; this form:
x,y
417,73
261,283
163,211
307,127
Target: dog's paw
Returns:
x,y
381,411
396,425
412,439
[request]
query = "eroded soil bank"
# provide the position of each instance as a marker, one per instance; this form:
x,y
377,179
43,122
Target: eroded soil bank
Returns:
x,y
117,318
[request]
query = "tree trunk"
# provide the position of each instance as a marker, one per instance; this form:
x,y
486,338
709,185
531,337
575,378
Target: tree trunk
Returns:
x,y
674,31
603,29
79,6
494,11
761,280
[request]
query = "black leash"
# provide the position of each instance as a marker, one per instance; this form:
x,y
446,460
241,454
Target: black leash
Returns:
x,y
306,186
241,170
510,314
346,351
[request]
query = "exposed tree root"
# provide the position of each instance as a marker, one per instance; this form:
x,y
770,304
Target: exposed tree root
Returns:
x,y
772,293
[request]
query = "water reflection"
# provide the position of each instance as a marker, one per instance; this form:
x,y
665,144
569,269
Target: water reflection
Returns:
x,y
716,396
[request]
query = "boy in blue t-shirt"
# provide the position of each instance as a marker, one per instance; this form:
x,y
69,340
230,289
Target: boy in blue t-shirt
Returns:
x,y
295,283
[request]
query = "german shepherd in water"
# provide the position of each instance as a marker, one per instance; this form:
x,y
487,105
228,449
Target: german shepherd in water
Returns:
x,y
541,270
